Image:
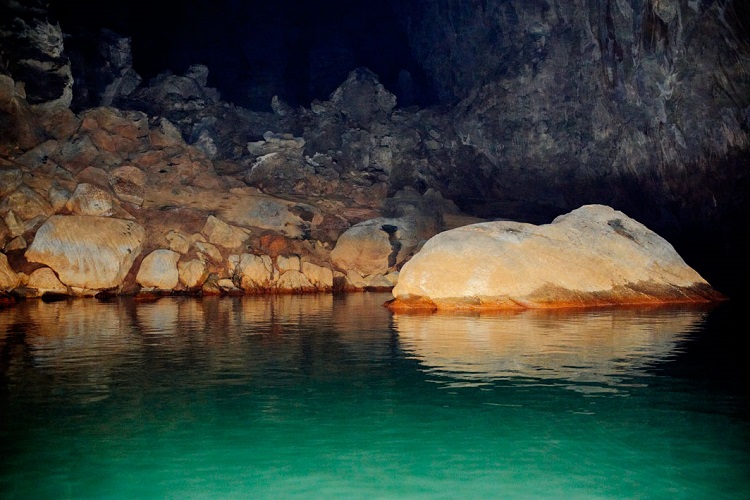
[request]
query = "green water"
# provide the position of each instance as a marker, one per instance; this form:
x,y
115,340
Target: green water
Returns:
x,y
335,397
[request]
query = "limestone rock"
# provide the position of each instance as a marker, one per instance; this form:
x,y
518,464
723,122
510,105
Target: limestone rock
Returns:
x,y
178,242
294,281
17,243
127,182
209,250
159,270
362,96
10,179
288,263
88,199
26,203
320,277
44,280
115,131
374,246
193,273
9,279
220,233
592,256
255,271
87,252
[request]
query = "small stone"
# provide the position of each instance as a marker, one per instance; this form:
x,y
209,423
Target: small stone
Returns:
x,y
193,273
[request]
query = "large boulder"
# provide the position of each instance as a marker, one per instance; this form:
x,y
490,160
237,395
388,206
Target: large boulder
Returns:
x,y
592,256
159,270
88,252
377,245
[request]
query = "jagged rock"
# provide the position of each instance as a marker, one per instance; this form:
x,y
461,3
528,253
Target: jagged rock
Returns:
x,y
60,124
209,250
17,243
25,203
33,53
193,273
168,93
87,252
128,183
9,279
117,69
10,179
165,135
43,281
58,197
159,270
4,232
220,233
115,131
362,98
19,126
592,256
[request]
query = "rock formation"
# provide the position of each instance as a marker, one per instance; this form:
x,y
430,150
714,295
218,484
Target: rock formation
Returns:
x,y
544,106
592,256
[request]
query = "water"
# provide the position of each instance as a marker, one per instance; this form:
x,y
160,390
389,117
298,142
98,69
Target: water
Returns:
x,y
335,397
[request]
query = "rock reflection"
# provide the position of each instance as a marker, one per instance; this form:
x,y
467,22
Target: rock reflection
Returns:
x,y
589,351
79,348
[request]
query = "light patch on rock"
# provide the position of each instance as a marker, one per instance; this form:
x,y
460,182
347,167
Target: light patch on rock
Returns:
x,y
159,270
87,252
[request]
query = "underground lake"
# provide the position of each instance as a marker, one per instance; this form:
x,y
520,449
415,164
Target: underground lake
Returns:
x,y
334,396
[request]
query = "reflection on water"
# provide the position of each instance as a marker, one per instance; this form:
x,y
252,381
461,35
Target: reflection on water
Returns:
x,y
322,396
81,342
598,349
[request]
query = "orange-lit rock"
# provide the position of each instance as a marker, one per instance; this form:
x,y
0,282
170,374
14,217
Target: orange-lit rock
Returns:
x,y
592,256
88,252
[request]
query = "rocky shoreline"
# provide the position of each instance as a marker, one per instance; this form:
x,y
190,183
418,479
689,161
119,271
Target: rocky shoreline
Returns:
x,y
111,185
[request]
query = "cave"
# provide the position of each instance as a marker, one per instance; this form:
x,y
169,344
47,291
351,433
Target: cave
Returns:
x,y
510,109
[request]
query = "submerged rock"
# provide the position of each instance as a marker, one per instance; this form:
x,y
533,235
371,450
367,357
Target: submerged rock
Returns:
x,y
592,256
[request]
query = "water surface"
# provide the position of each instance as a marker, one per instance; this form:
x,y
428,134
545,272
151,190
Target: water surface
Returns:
x,y
333,396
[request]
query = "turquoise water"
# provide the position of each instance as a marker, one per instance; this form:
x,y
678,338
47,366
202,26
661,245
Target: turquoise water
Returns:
x,y
335,397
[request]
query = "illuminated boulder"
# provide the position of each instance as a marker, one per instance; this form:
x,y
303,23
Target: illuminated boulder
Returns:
x,y
87,252
592,256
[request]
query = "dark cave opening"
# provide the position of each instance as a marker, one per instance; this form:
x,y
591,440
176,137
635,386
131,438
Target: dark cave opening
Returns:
x,y
255,50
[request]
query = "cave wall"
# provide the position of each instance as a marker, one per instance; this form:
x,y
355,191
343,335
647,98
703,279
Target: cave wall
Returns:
x,y
597,100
